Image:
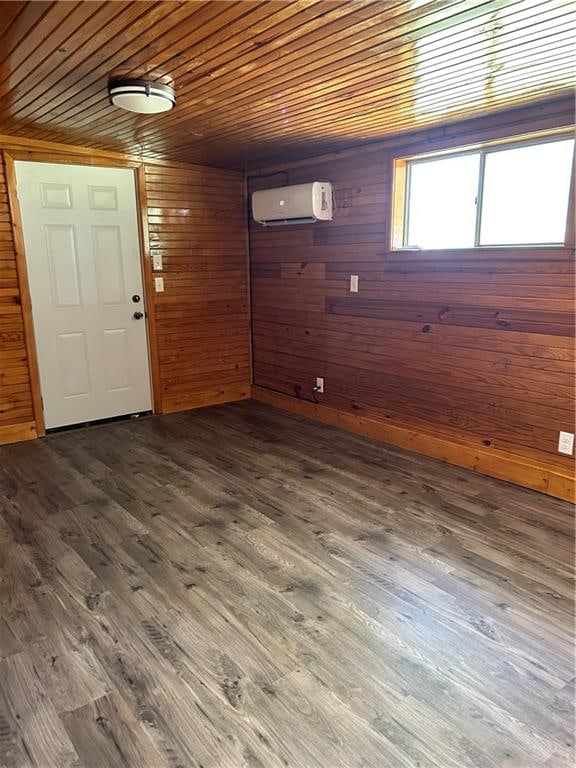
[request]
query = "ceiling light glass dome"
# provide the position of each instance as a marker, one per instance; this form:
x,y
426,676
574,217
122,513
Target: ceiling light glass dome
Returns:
x,y
142,96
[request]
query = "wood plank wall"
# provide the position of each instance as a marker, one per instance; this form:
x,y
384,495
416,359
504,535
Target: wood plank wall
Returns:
x,y
197,223
195,218
464,355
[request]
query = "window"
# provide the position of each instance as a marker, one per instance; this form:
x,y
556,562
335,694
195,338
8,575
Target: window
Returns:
x,y
508,194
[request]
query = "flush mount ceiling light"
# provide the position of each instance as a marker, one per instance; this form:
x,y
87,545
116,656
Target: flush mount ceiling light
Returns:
x,y
141,96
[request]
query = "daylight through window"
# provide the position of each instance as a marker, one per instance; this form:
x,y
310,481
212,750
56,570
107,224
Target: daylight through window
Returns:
x,y
513,194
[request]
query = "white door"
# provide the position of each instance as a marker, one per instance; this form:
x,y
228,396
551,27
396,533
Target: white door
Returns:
x,y
84,269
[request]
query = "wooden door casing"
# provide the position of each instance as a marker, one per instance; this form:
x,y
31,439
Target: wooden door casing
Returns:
x,y
83,258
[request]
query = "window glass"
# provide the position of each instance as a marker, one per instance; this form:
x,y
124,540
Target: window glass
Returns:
x,y
525,196
442,202
515,195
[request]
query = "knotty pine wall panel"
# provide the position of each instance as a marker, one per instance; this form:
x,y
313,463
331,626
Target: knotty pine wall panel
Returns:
x,y
476,348
197,223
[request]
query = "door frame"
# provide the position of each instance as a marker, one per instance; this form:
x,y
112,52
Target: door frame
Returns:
x,y
72,158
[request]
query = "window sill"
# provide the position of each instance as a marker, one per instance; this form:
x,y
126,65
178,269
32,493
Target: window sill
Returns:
x,y
532,252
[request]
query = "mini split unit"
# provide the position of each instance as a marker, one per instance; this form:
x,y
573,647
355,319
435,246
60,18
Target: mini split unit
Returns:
x,y
296,204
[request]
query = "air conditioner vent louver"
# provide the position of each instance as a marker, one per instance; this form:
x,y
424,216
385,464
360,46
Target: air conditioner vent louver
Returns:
x,y
296,204
279,222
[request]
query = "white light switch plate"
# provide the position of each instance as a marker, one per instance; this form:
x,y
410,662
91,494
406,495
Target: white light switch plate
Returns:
x,y
159,284
566,443
353,283
157,262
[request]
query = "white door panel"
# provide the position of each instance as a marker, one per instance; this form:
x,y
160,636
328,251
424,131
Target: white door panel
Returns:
x,y
83,258
64,273
108,265
73,365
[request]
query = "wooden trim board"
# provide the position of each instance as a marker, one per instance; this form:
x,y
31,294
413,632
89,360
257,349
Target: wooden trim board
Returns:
x,y
24,290
92,156
216,396
17,433
148,281
513,469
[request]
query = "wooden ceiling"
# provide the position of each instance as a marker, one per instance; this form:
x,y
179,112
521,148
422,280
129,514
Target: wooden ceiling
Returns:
x,y
259,82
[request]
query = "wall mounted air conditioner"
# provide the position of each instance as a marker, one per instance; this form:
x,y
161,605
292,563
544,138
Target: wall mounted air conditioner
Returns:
x,y
296,204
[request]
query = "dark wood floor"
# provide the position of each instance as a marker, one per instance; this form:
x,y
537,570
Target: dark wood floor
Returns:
x,y
237,587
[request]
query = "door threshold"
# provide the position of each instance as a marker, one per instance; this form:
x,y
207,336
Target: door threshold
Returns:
x,y
99,422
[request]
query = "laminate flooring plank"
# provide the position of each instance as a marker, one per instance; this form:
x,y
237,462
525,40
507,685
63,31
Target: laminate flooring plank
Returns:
x,y
9,645
237,587
13,750
45,739
106,734
365,630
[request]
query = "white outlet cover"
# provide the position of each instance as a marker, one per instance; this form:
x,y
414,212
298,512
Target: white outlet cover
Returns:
x,y
319,384
353,283
157,262
566,443
159,284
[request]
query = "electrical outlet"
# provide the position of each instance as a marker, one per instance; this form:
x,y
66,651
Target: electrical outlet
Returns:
x,y
159,284
319,385
566,443
353,283
157,262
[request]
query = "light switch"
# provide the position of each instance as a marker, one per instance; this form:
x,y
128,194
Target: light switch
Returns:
x,y
159,284
157,262
353,283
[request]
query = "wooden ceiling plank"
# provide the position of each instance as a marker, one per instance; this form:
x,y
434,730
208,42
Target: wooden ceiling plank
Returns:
x,y
26,20
451,55
182,116
438,24
340,73
464,68
371,124
61,23
440,85
555,109
306,54
154,22
275,151
57,72
261,22
96,99
231,53
92,100
10,11
345,106
316,58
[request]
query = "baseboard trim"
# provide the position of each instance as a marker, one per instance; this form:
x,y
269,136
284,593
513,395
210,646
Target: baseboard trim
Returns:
x,y
205,398
503,466
17,433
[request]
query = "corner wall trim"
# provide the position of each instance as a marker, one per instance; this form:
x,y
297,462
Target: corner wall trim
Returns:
x,y
503,466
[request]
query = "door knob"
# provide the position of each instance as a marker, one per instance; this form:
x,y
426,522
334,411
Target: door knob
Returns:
x,y
135,298
138,315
